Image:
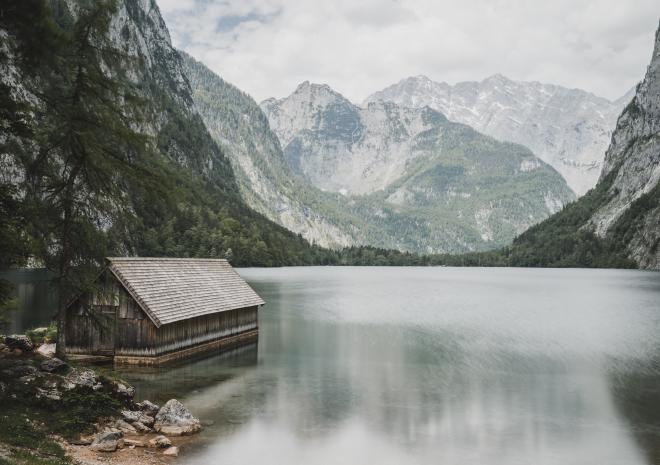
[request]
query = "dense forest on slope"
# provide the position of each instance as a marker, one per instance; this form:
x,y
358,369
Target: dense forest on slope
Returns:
x,y
103,153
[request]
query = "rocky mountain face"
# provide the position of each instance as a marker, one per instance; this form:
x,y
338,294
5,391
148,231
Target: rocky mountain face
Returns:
x,y
617,223
240,127
206,215
567,128
428,184
631,171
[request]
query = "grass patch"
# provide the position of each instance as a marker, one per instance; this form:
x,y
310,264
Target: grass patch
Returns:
x,y
25,457
28,425
79,409
28,441
43,335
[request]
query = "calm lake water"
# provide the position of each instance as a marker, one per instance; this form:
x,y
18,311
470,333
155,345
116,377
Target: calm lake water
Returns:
x,y
36,297
433,366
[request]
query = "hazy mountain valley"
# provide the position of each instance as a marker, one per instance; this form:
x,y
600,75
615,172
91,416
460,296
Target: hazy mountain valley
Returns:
x,y
459,189
314,280
394,173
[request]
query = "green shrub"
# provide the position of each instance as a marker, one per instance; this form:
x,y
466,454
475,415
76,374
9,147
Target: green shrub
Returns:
x,y
43,335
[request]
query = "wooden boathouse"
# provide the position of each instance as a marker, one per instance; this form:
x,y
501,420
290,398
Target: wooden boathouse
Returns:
x,y
149,311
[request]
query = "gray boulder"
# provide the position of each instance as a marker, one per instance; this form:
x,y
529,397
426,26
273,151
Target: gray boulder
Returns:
x,y
82,378
123,390
149,408
160,442
125,427
130,416
20,342
108,441
47,350
53,365
147,420
173,419
133,417
141,427
138,420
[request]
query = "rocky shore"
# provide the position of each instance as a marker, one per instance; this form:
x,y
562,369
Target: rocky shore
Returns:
x,y
53,412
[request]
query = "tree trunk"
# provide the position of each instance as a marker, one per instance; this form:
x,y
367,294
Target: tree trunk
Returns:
x,y
60,348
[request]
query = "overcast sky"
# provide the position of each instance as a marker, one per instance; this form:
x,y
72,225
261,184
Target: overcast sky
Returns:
x,y
267,47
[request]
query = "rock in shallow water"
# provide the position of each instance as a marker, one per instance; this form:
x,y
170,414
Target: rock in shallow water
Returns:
x,y
173,419
171,451
160,441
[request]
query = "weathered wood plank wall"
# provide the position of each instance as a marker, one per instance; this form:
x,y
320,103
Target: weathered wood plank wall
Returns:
x,y
108,321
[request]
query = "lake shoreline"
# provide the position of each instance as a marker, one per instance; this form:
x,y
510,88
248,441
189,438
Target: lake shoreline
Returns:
x,y
391,365
81,414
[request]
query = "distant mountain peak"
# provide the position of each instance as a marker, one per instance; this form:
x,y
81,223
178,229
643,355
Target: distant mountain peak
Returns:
x,y
315,90
422,182
497,77
567,128
421,78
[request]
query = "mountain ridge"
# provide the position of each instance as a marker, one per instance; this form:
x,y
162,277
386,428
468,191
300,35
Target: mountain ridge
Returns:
x,y
567,128
379,154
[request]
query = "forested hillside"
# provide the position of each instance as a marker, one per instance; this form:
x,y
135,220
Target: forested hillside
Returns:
x,y
618,221
102,150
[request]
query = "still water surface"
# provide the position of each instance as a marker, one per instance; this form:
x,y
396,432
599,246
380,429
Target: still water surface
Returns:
x,y
432,366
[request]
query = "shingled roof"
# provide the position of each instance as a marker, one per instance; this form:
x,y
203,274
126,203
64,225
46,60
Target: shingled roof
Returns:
x,y
174,289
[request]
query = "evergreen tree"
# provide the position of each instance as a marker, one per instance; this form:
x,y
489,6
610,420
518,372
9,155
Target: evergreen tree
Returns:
x,y
88,155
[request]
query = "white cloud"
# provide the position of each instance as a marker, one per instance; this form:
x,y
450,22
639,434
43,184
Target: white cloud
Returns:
x,y
267,47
